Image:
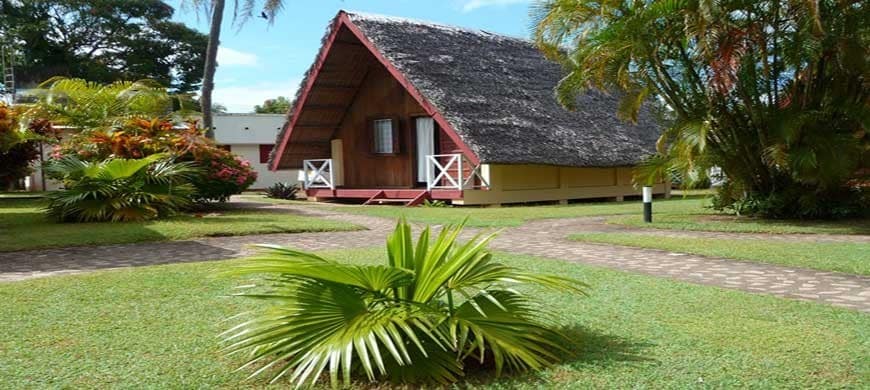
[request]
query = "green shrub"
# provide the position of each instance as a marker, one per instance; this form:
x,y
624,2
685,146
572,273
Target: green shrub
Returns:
x,y
436,307
120,189
282,191
222,174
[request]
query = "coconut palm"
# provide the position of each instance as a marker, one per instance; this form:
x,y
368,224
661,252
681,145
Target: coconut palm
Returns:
x,y
82,104
242,12
119,189
435,305
772,92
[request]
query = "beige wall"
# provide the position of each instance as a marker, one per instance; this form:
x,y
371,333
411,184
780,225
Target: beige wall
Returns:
x,y
537,183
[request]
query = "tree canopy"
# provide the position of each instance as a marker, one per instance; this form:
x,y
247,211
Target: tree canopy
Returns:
x,y
772,92
279,105
102,41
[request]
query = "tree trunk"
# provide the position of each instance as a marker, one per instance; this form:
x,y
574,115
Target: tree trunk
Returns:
x,y
214,37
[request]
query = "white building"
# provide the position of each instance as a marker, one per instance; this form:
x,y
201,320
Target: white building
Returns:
x,y
251,137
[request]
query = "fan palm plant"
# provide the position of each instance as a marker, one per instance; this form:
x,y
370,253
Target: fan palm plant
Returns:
x,y
420,317
120,189
82,104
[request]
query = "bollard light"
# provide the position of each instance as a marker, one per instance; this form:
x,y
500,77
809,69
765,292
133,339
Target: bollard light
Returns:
x,y
647,204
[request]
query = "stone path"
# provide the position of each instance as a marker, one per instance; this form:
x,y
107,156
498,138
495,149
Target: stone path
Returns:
x,y
543,238
598,225
548,238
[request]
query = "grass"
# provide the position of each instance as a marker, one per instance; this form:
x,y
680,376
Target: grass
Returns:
x,y
156,327
517,215
689,212
853,258
23,225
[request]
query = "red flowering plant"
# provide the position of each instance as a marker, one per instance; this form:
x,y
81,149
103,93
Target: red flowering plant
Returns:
x,y
223,173
20,144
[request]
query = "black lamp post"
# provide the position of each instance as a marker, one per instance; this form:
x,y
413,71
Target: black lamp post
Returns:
x,y
647,204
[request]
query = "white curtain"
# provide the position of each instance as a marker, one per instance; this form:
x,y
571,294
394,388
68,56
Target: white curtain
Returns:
x,y
425,144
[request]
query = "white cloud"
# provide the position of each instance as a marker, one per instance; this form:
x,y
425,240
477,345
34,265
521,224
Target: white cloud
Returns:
x,y
243,98
230,57
471,5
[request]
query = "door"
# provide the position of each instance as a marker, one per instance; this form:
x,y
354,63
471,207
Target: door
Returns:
x,y
425,136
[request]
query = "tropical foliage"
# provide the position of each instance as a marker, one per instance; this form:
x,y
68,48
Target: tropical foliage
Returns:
x,y
772,92
222,173
282,191
279,105
120,189
83,104
19,144
436,307
102,41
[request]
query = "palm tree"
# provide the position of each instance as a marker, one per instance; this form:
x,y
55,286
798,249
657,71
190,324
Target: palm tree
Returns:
x,y
83,104
773,93
243,11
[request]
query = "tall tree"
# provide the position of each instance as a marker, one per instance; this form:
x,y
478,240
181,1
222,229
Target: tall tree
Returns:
x,y
102,41
242,12
279,105
772,92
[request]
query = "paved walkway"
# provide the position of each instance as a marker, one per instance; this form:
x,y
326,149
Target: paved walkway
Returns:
x,y
543,238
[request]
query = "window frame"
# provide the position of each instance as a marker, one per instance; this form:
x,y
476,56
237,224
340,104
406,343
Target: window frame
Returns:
x,y
395,130
260,150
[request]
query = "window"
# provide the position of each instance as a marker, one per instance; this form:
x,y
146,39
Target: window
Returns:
x,y
384,136
265,150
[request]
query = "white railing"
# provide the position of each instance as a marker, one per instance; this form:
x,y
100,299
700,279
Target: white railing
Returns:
x,y
450,174
318,174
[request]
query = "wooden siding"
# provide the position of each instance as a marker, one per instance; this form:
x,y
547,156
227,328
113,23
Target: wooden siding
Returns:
x,y
379,96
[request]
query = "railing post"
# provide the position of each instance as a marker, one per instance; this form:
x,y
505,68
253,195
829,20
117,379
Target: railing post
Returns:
x,y
429,167
331,174
459,174
306,179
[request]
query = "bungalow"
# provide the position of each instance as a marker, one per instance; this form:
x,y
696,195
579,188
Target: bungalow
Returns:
x,y
396,110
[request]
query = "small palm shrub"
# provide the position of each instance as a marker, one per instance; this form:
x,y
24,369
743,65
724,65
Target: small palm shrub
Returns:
x,y
435,306
120,189
282,191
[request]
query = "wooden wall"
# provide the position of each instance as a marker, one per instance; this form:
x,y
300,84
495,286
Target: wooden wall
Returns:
x,y
381,96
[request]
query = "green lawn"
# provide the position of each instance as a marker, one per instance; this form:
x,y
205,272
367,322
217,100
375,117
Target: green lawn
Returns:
x,y
680,213
23,225
516,215
156,327
853,258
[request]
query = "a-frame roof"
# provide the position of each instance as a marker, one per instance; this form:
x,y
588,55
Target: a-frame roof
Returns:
x,y
493,93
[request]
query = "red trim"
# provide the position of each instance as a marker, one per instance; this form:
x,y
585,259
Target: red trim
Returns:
x,y
418,200
312,77
364,194
344,20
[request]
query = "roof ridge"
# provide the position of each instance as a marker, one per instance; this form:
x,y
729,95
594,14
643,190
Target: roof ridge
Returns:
x,y
400,19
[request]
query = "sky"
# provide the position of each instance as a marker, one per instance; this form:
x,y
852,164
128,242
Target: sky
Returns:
x,y
259,61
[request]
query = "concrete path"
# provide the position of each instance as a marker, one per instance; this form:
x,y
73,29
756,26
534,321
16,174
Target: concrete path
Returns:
x,y
542,238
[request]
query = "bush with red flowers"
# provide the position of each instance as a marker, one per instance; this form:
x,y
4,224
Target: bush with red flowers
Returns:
x,y
224,173
19,145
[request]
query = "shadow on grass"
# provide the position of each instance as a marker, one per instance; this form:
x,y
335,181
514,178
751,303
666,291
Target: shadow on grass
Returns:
x,y
586,347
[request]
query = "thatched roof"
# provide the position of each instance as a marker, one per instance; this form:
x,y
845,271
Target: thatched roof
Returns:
x,y
497,94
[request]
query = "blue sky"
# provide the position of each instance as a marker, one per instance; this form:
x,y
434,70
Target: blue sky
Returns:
x,y
262,61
